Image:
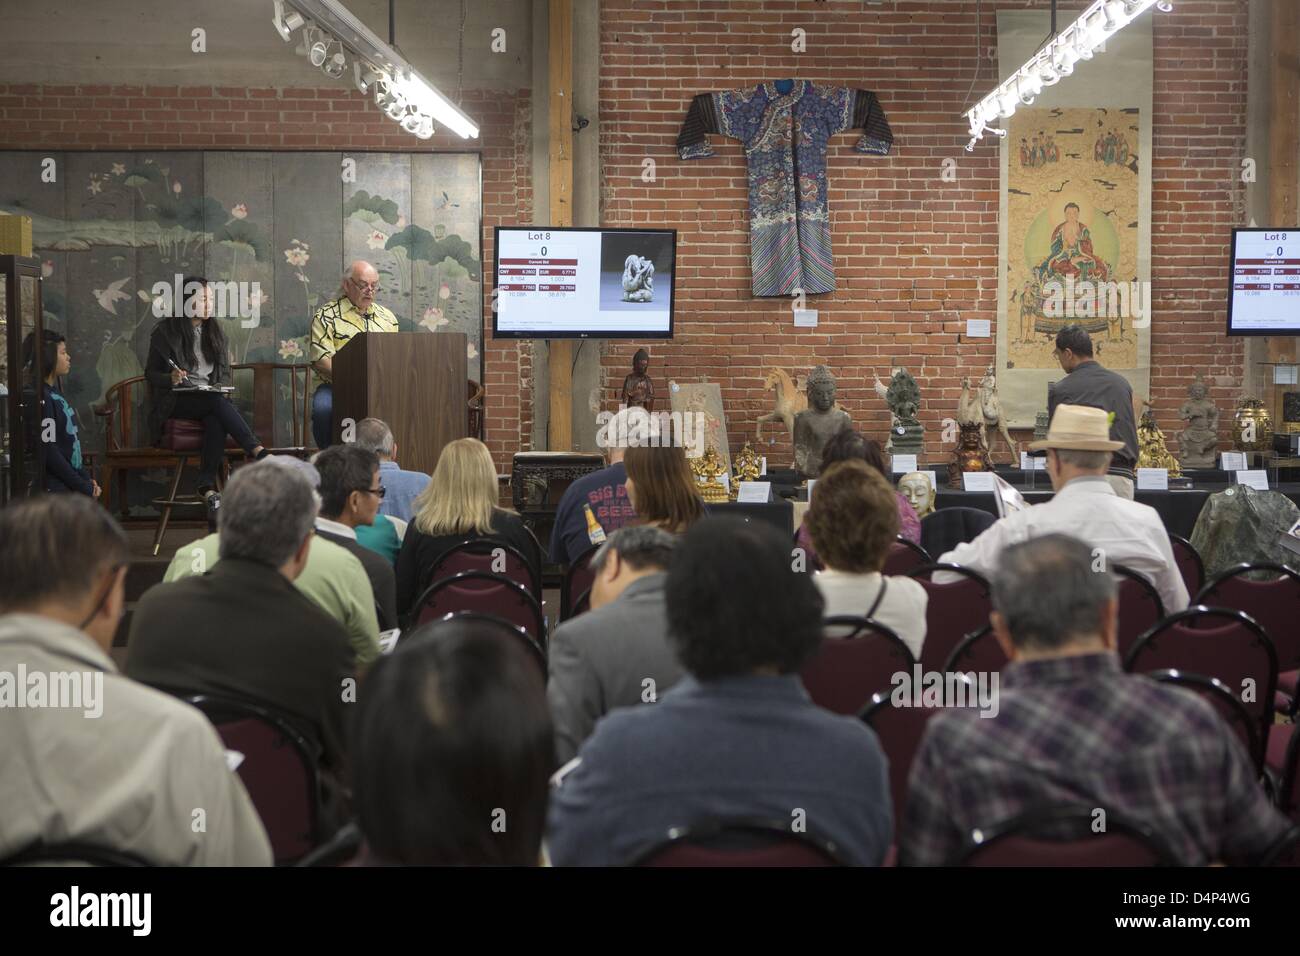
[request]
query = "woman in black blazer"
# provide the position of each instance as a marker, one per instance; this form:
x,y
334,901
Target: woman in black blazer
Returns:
x,y
188,350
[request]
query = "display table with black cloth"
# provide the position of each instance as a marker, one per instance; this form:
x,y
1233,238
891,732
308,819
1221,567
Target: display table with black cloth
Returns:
x,y
1178,508
538,480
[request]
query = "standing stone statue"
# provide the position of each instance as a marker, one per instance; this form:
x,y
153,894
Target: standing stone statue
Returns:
x,y
638,279
814,426
1198,441
638,387
906,436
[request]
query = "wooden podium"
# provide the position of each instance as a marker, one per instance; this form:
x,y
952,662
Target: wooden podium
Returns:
x,y
414,381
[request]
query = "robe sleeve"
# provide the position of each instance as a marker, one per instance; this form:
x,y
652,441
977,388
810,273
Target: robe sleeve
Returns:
x,y
701,119
877,137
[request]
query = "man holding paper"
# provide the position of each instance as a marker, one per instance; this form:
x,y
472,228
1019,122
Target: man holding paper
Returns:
x,y
1085,506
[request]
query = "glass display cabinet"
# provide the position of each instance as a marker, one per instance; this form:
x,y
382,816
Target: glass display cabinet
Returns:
x,y
20,321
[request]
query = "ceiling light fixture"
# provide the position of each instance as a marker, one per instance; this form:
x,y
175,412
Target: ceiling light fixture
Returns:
x,y
1055,60
398,87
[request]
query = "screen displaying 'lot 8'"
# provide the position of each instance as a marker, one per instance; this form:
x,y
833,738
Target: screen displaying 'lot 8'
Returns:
x,y
602,283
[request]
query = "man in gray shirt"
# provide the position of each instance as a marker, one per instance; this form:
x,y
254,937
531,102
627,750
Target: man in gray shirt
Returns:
x,y
1088,382
617,654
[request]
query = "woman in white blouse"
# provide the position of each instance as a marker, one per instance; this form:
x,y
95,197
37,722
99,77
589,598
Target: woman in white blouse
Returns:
x,y
853,519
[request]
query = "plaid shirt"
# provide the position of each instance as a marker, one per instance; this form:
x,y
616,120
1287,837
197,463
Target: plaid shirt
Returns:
x,y
1078,730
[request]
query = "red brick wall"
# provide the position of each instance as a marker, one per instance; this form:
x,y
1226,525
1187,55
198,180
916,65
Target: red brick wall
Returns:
x,y
197,117
915,257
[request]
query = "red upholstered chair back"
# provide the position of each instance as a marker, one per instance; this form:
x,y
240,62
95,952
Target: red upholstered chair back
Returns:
x,y
490,556
1140,607
483,593
279,770
953,611
847,670
1275,605
1288,800
578,579
1219,696
1064,836
899,730
740,844
904,556
979,652
1189,562
1236,652
517,633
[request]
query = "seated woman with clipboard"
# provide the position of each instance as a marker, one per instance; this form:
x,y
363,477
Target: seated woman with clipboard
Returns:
x,y
188,373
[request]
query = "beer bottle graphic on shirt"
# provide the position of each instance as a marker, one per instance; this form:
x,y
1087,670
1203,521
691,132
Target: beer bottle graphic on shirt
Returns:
x,y
595,533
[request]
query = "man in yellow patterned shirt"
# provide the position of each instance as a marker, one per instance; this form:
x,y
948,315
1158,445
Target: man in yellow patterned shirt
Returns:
x,y
353,310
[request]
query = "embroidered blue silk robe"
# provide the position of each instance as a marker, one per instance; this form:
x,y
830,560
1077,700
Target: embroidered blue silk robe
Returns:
x,y
785,126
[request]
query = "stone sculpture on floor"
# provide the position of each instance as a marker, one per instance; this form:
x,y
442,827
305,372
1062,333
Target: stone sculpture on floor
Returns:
x,y
814,426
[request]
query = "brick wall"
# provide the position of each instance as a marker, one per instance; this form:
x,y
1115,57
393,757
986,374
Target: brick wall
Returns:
x,y
197,117
915,257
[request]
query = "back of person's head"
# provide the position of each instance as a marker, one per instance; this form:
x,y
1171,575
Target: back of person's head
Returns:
x,y
462,494
374,435
1075,338
663,488
735,604
453,747
267,511
640,547
627,428
1050,592
343,470
853,517
56,550
50,340
848,444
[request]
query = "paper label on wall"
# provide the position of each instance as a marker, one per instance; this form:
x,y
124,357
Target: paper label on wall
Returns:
x,y
1153,479
755,492
903,464
805,318
1030,463
978,481
1233,460
979,328
1257,479
1284,375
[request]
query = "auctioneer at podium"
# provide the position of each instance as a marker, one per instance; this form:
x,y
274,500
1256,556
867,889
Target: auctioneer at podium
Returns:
x,y
414,381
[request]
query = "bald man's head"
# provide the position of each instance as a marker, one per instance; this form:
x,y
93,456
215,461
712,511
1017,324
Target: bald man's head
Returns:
x,y
360,284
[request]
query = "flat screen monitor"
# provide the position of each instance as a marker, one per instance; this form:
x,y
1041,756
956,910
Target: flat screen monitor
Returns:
x,y
557,283
1264,298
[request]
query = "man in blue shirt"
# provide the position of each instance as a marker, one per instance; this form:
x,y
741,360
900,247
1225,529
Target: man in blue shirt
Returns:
x,y
604,492
738,737
401,488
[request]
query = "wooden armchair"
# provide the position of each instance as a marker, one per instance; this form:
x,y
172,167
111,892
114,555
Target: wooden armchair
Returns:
x,y
127,445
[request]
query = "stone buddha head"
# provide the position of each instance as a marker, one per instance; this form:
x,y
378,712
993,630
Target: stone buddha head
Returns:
x,y
821,388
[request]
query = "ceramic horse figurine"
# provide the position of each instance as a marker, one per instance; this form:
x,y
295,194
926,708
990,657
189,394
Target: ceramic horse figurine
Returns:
x,y
790,400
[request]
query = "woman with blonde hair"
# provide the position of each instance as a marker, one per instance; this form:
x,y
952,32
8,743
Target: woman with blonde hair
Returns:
x,y
459,504
661,487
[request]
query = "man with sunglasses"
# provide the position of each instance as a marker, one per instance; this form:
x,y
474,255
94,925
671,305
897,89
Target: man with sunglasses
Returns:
x,y
353,310
88,756
350,492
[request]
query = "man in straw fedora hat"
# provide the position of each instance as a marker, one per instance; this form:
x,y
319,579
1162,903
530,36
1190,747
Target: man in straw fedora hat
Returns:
x,y
1086,506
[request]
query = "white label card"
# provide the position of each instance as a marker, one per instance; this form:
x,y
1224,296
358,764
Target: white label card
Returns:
x,y
1030,463
762,470
934,485
1234,460
904,464
1153,479
811,482
978,481
1255,479
1284,375
979,328
805,318
755,492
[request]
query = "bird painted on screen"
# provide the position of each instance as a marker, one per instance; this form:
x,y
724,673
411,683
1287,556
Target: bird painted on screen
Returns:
x,y
446,202
108,298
